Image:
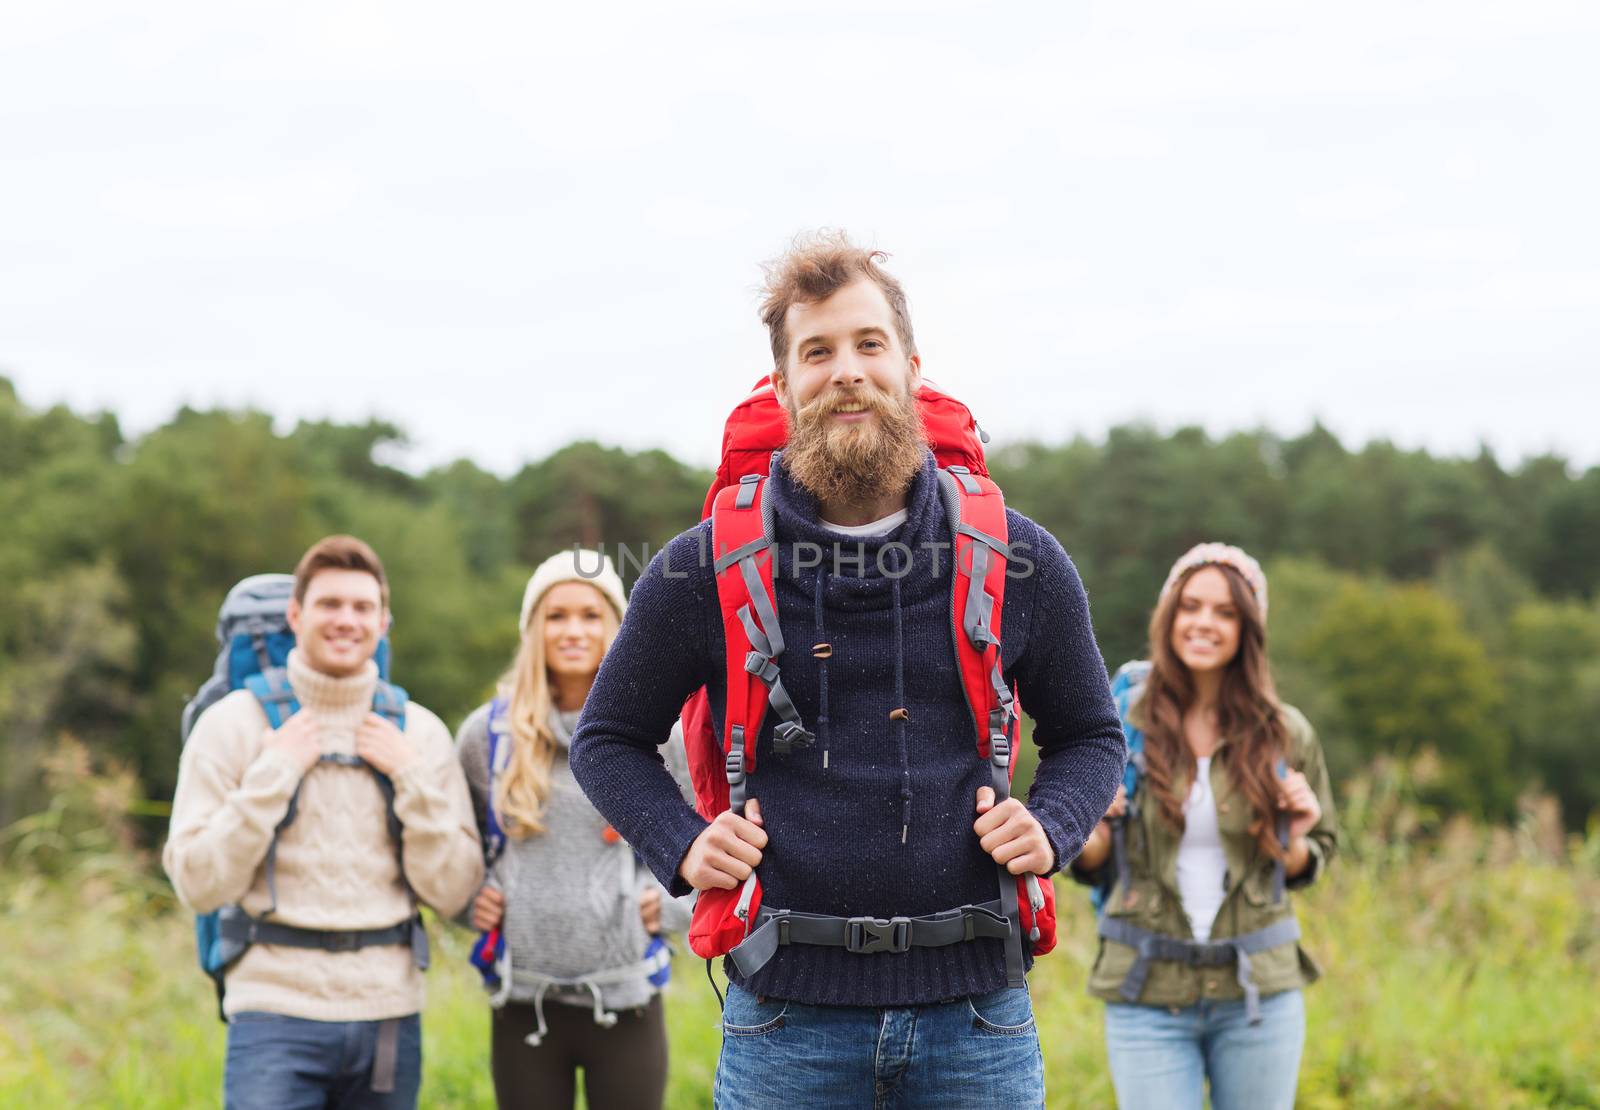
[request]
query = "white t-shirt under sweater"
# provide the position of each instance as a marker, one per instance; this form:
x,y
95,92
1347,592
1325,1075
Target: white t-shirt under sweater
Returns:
x,y
880,527
1202,866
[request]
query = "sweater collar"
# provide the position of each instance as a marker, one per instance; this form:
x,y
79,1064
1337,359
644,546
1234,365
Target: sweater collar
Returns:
x,y
336,701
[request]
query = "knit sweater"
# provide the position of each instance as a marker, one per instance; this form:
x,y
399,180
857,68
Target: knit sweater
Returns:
x,y
336,865
875,818
572,898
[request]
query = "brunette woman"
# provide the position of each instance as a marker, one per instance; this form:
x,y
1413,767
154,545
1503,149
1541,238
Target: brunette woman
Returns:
x,y
1230,811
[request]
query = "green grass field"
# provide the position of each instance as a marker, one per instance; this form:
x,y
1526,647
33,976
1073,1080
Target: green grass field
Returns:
x,y
1465,975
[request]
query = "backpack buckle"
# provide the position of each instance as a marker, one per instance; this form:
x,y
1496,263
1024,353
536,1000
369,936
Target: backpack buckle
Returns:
x,y
865,935
789,735
734,765
1000,750
342,942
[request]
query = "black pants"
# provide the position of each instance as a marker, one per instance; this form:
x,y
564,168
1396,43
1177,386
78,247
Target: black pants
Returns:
x,y
624,1067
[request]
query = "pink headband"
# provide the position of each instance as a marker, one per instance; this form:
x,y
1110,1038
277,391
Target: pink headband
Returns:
x,y
1210,554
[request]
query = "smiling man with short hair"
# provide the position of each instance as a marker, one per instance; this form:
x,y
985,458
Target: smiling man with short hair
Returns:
x,y
323,1004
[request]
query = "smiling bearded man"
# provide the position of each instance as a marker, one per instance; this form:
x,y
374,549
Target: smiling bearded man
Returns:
x,y
881,822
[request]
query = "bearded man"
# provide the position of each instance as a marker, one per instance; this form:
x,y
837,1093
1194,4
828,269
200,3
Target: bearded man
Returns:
x,y
888,814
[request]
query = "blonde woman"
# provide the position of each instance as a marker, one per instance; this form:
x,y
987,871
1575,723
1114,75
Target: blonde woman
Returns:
x,y
571,925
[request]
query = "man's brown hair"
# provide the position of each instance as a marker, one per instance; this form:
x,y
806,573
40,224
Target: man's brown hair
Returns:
x,y
815,268
339,553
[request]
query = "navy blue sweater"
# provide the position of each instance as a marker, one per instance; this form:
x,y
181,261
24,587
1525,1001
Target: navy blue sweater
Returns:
x,y
835,833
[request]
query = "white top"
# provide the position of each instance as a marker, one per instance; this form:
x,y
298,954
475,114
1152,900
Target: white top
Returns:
x,y
880,527
1202,866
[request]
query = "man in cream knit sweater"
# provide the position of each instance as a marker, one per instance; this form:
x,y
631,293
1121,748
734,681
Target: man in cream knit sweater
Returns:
x,y
324,1026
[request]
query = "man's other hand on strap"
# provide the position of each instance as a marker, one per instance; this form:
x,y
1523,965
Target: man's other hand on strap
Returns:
x,y
1012,835
727,852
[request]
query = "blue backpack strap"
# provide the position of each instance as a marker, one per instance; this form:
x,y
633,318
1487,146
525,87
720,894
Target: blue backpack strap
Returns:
x,y
499,758
271,688
1126,688
276,696
389,701
1279,874
489,950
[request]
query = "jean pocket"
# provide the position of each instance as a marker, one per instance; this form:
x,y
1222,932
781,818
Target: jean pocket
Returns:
x,y
745,1015
1006,1013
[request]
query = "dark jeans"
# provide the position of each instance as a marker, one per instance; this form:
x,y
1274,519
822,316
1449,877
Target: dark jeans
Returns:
x,y
624,1067
981,1051
286,1063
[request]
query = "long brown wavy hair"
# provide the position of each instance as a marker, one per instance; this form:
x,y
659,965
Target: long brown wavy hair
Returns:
x,y
1248,713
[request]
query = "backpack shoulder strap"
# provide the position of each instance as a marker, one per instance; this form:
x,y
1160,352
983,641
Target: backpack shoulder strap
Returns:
x,y
1127,687
389,701
741,542
271,688
499,758
976,512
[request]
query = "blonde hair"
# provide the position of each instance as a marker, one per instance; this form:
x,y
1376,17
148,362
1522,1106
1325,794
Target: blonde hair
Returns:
x,y
521,793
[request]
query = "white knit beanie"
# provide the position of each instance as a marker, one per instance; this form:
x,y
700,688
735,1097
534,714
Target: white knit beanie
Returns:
x,y
578,564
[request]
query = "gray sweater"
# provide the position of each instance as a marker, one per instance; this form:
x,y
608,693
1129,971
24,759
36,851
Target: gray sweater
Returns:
x,y
572,899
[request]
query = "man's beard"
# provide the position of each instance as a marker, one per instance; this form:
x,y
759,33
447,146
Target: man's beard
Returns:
x,y
855,464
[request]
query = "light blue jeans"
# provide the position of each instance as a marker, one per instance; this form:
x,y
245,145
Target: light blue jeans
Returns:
x,y
286,1063
1161,1060
978,1051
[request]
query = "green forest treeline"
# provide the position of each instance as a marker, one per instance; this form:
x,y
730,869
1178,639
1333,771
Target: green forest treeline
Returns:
x,y
1439,610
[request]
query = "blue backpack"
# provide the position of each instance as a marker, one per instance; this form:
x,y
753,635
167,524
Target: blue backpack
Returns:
x,y
255,638
1127,685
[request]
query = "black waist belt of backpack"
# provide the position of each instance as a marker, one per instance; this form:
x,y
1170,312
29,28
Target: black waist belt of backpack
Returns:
x,y
244,930
1231,951
865,935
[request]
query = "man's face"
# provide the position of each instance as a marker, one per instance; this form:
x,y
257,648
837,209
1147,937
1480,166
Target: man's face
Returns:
x,y
338,625
849,389
845,344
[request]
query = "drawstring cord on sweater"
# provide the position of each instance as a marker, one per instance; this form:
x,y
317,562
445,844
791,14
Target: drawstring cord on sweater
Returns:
x,y
823,651
899,716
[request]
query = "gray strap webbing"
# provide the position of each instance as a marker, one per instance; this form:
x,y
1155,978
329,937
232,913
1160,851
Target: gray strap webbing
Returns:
x,y
760,663
384,1055
865,935
244,930
753,632
763,604
964,476
1016,970
747,491
996,545
1119,851
976,617
1279,873
738,554
1235,951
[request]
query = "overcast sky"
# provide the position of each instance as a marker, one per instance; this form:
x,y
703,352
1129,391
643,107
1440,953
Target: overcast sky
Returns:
x,y
506,227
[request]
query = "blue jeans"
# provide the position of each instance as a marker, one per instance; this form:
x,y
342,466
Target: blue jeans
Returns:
x,y
288,1063
979,1051
1160,1060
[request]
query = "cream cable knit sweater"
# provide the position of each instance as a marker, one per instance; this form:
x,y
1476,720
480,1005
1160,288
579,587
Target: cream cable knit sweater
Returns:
x,y
336,864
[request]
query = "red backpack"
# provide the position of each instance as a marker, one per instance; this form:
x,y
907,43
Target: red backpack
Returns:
x,y
733,922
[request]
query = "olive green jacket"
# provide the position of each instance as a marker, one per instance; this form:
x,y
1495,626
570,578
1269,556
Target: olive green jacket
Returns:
x,y
1151,899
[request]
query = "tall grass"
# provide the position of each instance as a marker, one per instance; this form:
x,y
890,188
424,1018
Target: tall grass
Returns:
x,y
1463,970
